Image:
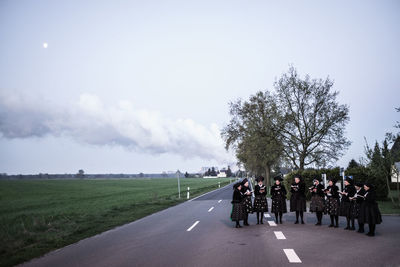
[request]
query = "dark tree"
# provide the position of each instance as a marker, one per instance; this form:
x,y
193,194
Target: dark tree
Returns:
x,y
80,174
377,171
229,172
352,164
251,133
213,172
312,122
186,175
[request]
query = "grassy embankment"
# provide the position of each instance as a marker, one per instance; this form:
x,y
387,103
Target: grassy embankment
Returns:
x,y
41,215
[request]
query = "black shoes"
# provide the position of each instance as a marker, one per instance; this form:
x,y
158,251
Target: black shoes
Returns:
x,y
331,225
360,231
352,228
302,222
238,226
318,223
261,222
296,222
347,228
370,234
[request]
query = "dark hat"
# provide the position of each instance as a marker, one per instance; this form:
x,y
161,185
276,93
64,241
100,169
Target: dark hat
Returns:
x,y
278,178
369,185
259,178
236,185
349,180
332,179
359,184
244,181
317,179
298,176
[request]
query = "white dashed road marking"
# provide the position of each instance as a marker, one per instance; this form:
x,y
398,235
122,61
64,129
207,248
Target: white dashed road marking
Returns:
x,y
279,235
272,223
292,256
211,209
266,215
219,201
191,227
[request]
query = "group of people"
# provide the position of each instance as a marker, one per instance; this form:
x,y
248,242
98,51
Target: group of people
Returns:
x,y
355,201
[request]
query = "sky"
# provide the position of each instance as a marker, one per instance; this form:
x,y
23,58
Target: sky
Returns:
x,y
144,86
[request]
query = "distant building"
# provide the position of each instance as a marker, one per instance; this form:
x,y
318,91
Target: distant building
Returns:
x,y
222,174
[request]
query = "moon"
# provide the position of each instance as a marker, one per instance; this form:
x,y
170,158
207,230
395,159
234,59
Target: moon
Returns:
x,y
45,45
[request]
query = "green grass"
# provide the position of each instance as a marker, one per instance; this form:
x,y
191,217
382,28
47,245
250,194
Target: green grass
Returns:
x,y
387,207
41,215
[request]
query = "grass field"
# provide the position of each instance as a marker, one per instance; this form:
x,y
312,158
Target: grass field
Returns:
x,y
387,207
41,215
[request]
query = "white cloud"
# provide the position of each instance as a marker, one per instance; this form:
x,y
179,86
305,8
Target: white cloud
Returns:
x,y
92,121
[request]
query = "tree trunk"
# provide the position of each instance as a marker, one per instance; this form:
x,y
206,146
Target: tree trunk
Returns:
x,y
267,177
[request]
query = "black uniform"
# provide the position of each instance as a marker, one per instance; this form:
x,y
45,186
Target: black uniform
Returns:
x,y
298,200
332,204
346,206
369,211
278,196
237,207
317,204
260,202
248,207
357,200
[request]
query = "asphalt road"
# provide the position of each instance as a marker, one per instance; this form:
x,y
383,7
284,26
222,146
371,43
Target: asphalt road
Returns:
x,y
163,239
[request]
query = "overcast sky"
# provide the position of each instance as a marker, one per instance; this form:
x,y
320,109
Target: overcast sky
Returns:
x,y
144,86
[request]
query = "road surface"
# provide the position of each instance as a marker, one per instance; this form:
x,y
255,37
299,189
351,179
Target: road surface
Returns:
x,y
200,233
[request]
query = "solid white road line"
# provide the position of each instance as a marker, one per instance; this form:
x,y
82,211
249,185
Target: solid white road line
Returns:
x,y
211,209
272,223
291,255
219,201
279,235
191,227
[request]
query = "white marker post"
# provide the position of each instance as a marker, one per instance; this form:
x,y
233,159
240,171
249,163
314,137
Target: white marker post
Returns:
x,y
179,185
324,179
188,194
219,184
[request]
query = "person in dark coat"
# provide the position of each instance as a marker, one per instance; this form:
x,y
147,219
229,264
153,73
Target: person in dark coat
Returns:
x,y
357,200
260,201
332,202
298,198
317,204
345,203
369,212
278,196
237,205
248,207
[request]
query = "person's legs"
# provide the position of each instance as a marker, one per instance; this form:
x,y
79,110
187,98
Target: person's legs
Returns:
x,y
262,216
297,217
280,217
237,224
246,217
348,224
360,227
331,225
258,217
337,221
371,230
301,216
352,224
